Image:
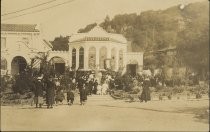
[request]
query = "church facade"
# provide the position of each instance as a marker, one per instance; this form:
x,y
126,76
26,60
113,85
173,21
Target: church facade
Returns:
x,y
96,49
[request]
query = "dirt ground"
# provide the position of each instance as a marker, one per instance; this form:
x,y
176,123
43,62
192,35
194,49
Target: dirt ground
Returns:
x,y
107,114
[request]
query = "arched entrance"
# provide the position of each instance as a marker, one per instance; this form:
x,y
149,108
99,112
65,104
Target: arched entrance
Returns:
x,y
18,65
132,67
58,64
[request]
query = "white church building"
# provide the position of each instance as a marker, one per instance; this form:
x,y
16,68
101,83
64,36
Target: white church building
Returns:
x,y
96,49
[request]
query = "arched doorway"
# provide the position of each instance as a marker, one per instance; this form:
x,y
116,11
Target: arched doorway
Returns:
x,y
132,67
18,65
58,64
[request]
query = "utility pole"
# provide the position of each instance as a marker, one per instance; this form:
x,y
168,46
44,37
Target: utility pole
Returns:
x,y
153,34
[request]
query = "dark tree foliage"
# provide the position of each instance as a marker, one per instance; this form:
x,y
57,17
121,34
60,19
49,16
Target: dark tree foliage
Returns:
x,y
87,28
60,43
193,42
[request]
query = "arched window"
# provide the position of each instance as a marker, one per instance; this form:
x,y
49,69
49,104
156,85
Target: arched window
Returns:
x,y
3,63
73,58
120,58
102,57
113,58
92,58
81,58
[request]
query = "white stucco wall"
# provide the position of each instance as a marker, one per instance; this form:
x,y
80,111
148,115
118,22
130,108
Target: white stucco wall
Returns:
x,y
24,44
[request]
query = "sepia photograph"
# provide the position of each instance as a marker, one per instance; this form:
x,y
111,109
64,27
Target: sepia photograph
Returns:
x,y
104,65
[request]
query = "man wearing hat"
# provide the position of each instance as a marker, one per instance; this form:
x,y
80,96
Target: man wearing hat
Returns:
x,y
50,92
38,92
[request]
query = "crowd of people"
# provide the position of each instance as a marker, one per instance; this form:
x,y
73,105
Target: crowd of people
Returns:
x,y
52,89
85,85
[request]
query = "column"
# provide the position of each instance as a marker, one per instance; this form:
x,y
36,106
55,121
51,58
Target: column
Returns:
x,y
86,51
124,58
117,60
108,52
77,58
97,57
9,65
70,56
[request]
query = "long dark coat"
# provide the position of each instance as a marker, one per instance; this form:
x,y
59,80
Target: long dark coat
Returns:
x,y
83,95
95,87
38,89
145,95
70,95
90,86
50,92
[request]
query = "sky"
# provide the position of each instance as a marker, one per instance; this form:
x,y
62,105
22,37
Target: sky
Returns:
x,y
67,18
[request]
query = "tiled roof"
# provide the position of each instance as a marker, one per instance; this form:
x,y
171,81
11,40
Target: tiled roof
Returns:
x,y
97,34
19,27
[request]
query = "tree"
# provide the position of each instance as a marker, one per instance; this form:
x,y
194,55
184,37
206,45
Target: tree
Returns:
x,y
60,43
87,28
193,42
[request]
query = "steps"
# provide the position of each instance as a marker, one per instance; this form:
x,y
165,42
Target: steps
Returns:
x,y
100,98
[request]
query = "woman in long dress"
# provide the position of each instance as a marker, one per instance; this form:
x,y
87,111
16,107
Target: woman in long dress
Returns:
x,y
145,95
83,95
38,93
50,92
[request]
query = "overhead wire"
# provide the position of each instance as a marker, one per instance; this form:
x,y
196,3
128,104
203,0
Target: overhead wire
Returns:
x,y
28,8
39,10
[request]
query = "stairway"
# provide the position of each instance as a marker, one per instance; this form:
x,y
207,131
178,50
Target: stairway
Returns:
x,y
100,98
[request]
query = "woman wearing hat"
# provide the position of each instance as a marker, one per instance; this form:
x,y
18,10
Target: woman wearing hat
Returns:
x,y
50,92
38,92
145,95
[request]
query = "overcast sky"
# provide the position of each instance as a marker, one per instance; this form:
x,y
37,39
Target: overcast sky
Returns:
x,y
68,18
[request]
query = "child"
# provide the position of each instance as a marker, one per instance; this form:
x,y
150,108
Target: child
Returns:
x,y
70,97
59,96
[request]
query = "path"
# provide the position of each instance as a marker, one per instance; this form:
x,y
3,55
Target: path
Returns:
x,y
105,113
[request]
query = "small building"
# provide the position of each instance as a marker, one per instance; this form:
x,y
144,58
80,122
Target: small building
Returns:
x,y
96,49
20,43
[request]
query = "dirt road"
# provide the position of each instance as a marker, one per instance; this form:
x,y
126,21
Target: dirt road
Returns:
x,y
105,113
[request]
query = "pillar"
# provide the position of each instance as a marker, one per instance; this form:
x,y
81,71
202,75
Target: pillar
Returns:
x,y
86,51
124,58
77,58
108,53
9,65
70,56
117,60
97,57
